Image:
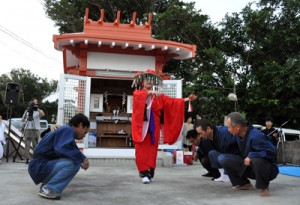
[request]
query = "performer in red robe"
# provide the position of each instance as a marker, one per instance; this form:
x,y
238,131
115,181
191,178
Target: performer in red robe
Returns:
x,y
154,112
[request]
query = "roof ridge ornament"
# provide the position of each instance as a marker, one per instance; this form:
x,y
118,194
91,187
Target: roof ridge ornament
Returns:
x,y
133,21
117,21
148,24
86,17
101,19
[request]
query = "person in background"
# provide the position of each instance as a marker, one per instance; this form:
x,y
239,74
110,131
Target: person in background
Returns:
x,y
50,128
31,119
270,131
2,137
203,147
188,125
257,160
154,113
198,117
222,141
57,159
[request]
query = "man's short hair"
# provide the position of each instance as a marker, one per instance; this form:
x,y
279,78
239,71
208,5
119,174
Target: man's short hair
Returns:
x,y
80,118
204,123
237,119
191,134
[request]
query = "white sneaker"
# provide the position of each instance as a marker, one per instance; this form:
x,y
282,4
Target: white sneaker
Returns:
x,y
222,178
146,180
152,180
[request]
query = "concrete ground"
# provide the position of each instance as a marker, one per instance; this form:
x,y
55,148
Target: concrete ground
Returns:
x,y
120,184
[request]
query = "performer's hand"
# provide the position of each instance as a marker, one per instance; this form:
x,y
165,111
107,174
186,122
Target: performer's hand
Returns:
x,y
53,127
154,93
247,161
85,164
157,93
192,97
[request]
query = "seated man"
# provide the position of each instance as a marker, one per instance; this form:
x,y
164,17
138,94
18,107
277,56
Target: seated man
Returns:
x,y
204,146
257,160
57,159
221,140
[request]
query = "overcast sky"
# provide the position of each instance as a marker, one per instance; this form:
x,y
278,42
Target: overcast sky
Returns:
x,y
26,34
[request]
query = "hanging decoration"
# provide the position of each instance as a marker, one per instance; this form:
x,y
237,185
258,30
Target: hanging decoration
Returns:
x,y
191,98
190,109
151,76
123,101
106,100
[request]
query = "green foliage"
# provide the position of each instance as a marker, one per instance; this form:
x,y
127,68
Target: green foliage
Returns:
x,y
32,87
263,46
255,50
50,109
206,74
71,19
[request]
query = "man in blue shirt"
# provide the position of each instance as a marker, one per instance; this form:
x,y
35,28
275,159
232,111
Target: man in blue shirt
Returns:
x,y
203,148
256,160
57,159
222,141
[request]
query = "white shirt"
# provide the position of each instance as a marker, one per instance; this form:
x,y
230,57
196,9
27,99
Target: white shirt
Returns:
x,y
35,123
2,129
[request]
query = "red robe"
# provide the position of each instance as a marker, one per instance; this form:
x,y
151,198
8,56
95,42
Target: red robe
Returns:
x,y
173,108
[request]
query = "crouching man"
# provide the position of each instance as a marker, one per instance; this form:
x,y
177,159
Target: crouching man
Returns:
x,y
257,160
57,159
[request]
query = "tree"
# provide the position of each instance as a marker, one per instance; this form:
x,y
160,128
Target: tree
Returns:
x,y
172,20
262,48
206,74
32,87
255,50
71,20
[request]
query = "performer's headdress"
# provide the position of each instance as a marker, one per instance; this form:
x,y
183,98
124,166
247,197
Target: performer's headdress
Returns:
x,y
149,75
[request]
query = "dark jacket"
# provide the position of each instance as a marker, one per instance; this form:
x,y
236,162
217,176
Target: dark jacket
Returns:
x,y
256,145
224,141
204,147
55,145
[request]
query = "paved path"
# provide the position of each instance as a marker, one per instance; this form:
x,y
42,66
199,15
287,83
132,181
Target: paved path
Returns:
x,y
120,185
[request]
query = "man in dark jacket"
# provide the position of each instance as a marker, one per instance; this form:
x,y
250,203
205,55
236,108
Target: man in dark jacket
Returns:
x,y
57,159
221,140
257,160
203,148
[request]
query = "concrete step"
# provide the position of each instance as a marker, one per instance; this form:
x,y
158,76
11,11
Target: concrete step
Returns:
x,y
164,159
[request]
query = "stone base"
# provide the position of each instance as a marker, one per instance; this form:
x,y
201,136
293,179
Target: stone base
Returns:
x,y
164,159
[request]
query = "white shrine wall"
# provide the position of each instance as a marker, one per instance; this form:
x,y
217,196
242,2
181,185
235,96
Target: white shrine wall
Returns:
x,y
119,62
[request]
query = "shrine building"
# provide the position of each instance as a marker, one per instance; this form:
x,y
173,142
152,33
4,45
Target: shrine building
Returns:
x,y
99,64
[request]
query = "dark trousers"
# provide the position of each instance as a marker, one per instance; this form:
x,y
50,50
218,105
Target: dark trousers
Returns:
x,y
207,165
261,170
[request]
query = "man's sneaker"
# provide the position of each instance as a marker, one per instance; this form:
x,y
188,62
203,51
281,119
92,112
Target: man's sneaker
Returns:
x,y
151,179
146,180
47,193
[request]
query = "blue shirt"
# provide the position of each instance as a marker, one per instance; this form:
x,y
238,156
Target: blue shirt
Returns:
x,y
224,141
55,145
256,145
